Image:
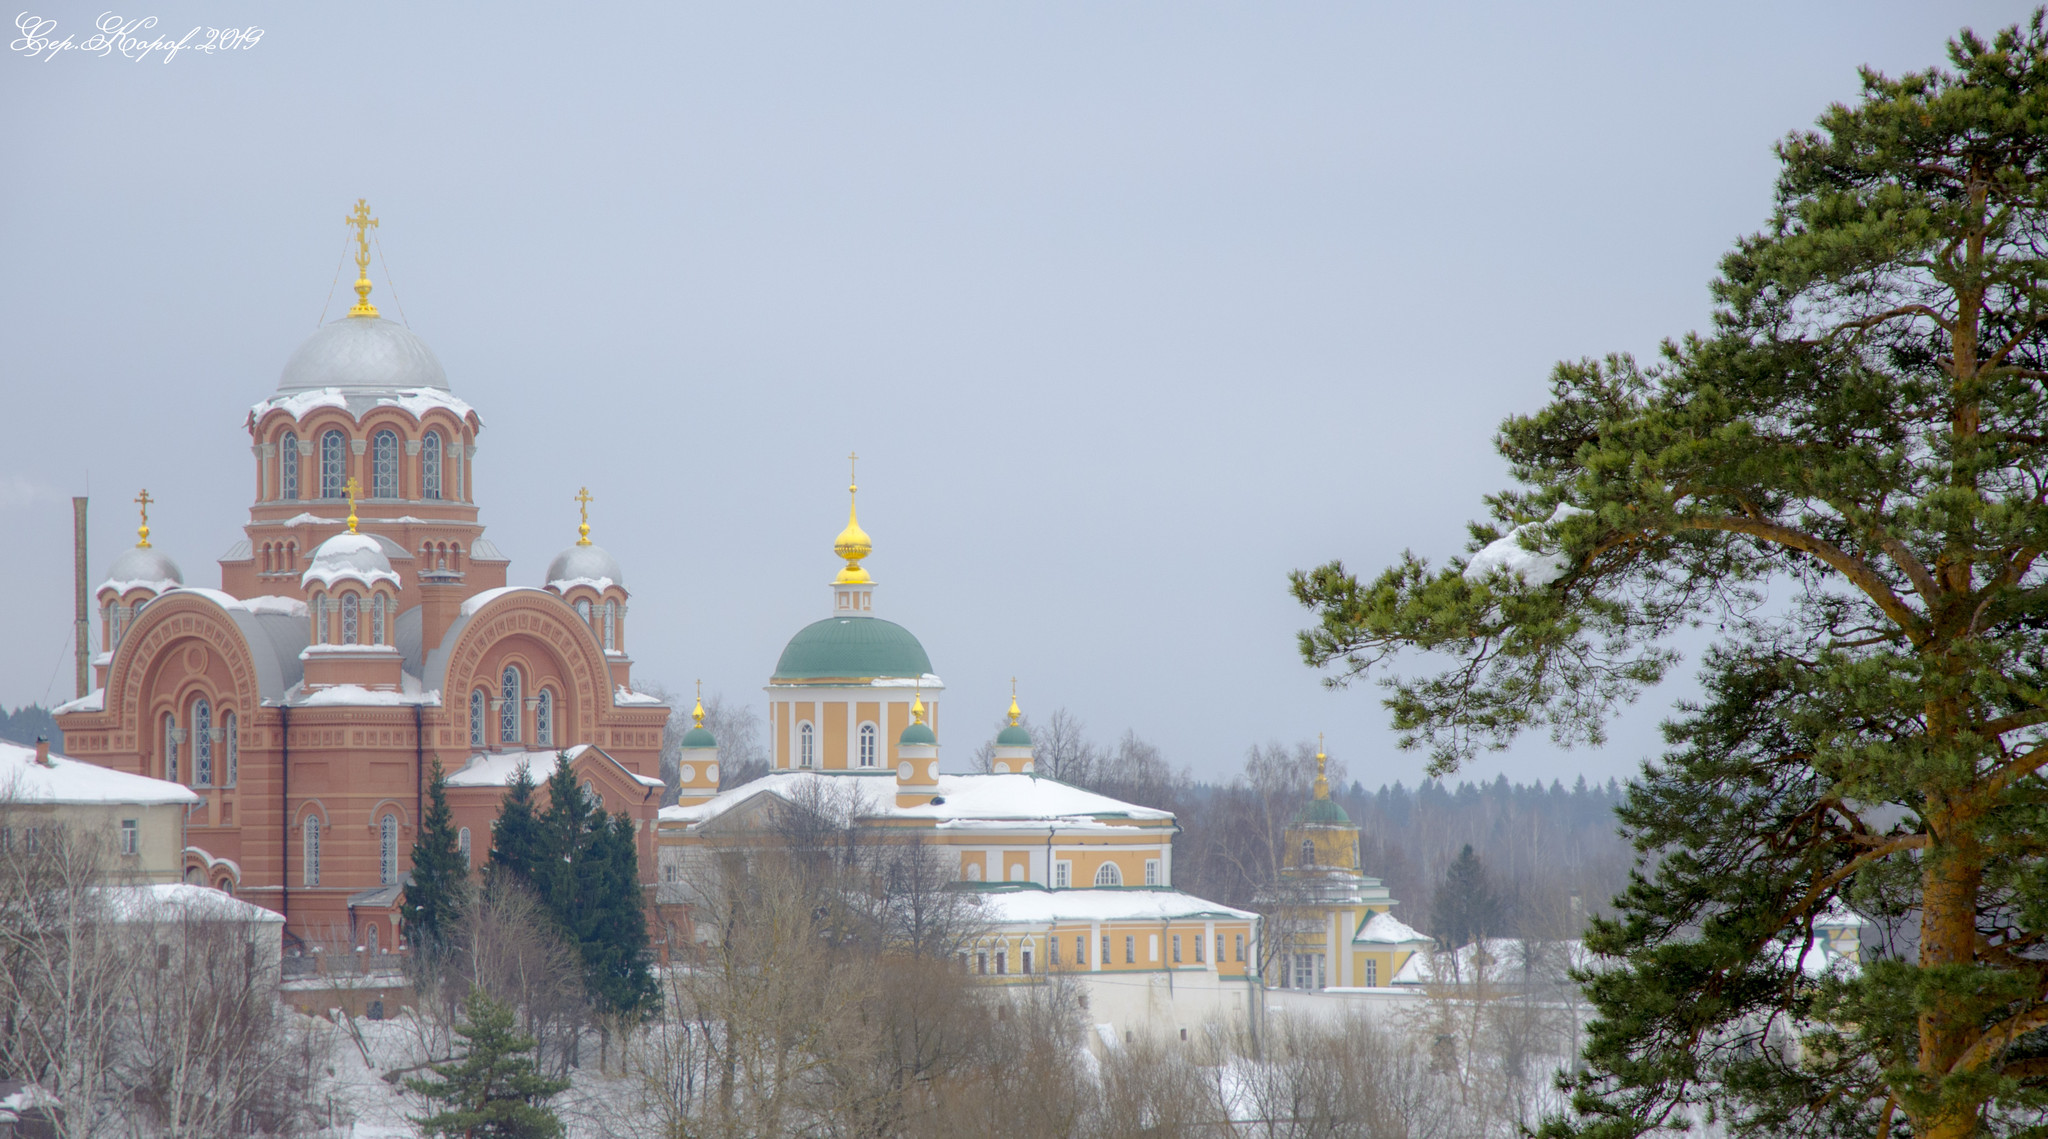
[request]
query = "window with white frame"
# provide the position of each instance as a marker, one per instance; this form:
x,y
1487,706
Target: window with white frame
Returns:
x,y
231,740
131,836
351,613
462,845
611,626
288,466
806,745
384,465
1372,973
312,852
1176,949
1151,872
583,611
1108,875
1199,942
508,706
869,737
430,465
476,718
371,942
377,620
387,851
1062,875
333,464
544,718
202,743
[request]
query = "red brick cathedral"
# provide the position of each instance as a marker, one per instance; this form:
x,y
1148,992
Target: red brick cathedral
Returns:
x,y
363,631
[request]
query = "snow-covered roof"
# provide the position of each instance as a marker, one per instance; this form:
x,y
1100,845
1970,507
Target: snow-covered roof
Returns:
x,y
349,557
624,697
141,567
478,601
958,800
498,769
1539,566
1505,961
94,701
409,693
1127,904
67,780
1386,929
169,901
585,565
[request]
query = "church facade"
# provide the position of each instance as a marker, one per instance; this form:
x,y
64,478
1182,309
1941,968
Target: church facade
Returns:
x,y
363,631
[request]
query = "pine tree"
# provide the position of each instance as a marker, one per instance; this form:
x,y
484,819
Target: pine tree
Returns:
x,y
1466,908
617,957
564,841
494,1089
439,878
516,835
1859,437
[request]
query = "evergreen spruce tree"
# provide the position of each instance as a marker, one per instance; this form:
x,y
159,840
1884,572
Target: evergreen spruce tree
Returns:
x,y
439,878
1862,436
565,839
493,1090
1465,908
516,835
617,958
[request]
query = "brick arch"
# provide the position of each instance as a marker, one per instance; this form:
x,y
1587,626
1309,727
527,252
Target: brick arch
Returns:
x,y
170,625
394,806
542,621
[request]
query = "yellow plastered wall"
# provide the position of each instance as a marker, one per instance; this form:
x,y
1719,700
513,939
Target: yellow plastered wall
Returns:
x,y
1018,862
832,736
1334,846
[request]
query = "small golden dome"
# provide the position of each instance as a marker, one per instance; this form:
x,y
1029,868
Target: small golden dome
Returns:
x,y
852,543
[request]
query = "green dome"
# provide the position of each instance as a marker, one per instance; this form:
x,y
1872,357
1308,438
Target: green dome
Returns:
x,y
917,734
852,648
1323,811
1013,736
698,737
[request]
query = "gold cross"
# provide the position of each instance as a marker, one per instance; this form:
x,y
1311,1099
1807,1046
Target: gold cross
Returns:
x,y
143,530
363,223
852,469
351,489
583,501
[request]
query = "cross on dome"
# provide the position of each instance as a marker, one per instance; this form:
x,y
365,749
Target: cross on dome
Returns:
x,y
361,221
852,543
583,501
143,531
350,490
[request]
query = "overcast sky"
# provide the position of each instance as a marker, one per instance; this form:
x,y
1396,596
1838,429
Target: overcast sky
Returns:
x,y
1128,308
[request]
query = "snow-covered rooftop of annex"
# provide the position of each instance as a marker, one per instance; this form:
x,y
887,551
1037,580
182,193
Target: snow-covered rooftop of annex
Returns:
x,y
1386,929
418,401
1130,903
168,901
67,780
498,769
965,801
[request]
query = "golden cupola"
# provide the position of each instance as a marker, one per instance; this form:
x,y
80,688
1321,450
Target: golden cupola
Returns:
x,y
853,591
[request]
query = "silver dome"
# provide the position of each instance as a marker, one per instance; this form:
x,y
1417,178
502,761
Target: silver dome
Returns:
x,y
585,562
362,353
143,565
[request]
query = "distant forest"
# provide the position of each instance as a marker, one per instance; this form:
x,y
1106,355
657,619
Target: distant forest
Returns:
x,y
24,724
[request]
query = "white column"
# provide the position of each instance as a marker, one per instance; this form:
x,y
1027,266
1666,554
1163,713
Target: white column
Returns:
x,y
1095,948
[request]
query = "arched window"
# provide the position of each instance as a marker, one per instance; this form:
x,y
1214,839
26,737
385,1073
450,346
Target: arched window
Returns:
x,y
508,707
320,620
973,872
583,610
387,851
544,718
806,745
462,845
591,797
1109,875
170,747
312,841
202,743
430,465
1308,852
611,626
867,745
233,744
377,620
476,718
113,625
333,464
457,457
370,942
288,465
384,465
350,611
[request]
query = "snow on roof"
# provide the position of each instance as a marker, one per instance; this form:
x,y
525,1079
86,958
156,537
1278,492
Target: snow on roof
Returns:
x,y
94,701
409,692
991,800
1128,904
626,697
298,404
419,401
497,769
1534,567
67,780
160,585
349,556
271,603
477,602
928,680
567,583
168,901
1386,929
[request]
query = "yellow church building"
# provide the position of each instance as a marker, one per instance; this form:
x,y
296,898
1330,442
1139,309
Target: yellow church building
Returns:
x,y
1075,883
1332,926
